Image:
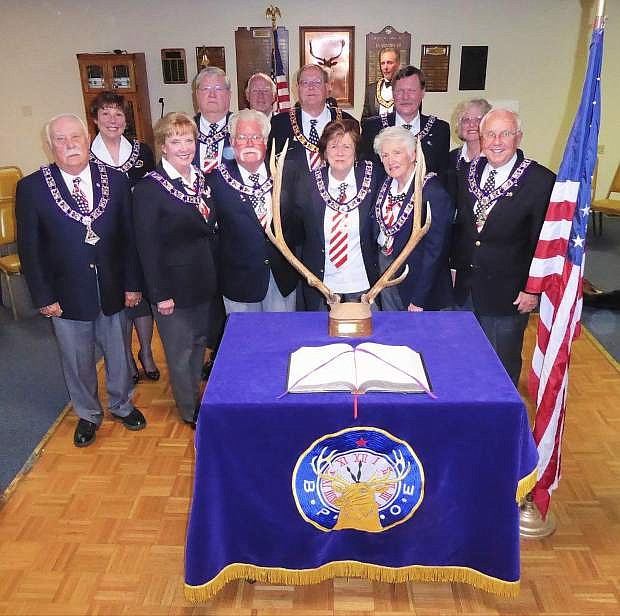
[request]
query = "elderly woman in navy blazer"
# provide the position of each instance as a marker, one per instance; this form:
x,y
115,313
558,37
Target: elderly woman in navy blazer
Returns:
x,y
134,158
333,213
428,285
174,236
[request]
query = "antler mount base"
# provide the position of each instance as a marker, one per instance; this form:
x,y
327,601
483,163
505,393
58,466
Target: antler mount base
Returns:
x,y
350,320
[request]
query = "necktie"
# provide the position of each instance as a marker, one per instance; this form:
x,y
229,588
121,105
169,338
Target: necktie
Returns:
x,y
480,210
80,197
389,218
388,84
314,135
338,241
258,203
314,159
211,151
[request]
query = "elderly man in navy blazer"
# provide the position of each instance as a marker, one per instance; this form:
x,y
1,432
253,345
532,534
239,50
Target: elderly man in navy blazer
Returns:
x,y
408,88
77,252
252,273
303,125
212,87
501,206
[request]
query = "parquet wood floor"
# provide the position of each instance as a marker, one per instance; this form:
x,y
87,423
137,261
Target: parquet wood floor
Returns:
x,y
101,530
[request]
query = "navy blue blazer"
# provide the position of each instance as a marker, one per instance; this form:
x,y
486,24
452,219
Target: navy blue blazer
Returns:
x,y
281,130
59,266
428,283
226,152
143,163
309,214
494,264
435,145
245,255
174,243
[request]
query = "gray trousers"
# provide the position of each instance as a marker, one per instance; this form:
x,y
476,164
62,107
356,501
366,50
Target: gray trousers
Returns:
x,y
78,342
184,337
273,301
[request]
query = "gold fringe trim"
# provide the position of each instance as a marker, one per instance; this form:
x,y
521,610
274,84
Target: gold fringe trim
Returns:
x,y
526,485
353,569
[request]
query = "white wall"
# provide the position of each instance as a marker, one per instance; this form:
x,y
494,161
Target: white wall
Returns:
x,y
537,55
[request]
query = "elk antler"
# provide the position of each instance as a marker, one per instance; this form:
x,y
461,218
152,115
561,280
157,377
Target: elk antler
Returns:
x,y
417,233
324,61
277,167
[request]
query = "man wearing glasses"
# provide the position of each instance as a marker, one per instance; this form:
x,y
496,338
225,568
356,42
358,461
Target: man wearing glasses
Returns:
x,y
408,88
501,206
261,93
253,274
303,125
212,88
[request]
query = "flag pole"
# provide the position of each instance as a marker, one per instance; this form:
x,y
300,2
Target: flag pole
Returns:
x,y
531,523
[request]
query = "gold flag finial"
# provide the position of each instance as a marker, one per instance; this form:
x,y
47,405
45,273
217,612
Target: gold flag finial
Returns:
x,y
273,12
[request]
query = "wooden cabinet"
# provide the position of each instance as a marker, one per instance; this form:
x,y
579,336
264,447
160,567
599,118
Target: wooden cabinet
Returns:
x,y
122,73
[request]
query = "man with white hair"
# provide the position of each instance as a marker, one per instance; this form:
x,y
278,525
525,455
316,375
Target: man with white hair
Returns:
x,y
212,88
77,251
501,206
253,274
261,93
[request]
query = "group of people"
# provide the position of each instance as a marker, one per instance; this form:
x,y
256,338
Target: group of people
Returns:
x,y
107,237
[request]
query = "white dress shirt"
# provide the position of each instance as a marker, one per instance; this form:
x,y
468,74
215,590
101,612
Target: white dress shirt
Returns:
x,y
382,239
350,277
173,174
99,149
503,173
204,128
415,123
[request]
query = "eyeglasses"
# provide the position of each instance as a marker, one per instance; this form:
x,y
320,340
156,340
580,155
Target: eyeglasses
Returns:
x,y
257,91
215,89
311,83
502,135
247,138
469,120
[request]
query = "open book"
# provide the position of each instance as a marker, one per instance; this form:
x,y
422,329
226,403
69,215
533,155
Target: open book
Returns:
x,y
367,367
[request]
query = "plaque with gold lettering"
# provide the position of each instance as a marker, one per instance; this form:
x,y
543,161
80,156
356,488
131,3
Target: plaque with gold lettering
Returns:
x,y
435,63
254,47
376,41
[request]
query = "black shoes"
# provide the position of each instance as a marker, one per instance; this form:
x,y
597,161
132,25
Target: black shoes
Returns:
x,y
85,433
134,421
151,375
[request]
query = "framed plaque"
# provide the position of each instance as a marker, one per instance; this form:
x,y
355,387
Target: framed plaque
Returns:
x,y
473,73
331,47
173,65
435,64
376,41
254,48
210,56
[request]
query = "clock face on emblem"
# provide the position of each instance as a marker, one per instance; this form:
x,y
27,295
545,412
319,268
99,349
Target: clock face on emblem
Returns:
x,y
359,478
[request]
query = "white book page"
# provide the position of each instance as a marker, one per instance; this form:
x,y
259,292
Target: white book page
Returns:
x,y
375,372
310,368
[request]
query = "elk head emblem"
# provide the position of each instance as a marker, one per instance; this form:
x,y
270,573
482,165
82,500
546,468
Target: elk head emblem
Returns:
x,y
355,498
328,62
350,319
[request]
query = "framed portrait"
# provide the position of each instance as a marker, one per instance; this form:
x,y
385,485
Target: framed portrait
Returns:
x,y
331,47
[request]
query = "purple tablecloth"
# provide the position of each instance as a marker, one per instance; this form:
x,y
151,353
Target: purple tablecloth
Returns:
x,y
267,501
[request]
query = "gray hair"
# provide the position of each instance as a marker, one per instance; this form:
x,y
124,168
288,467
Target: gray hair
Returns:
x,y
249,115
514,114
306,67
462,107
396,133
49,123
211,71
264,76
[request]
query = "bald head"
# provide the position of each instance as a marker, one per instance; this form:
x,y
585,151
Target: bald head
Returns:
x,y
500,136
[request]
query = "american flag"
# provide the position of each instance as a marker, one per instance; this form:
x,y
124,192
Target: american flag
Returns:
x,y
557,274
283,98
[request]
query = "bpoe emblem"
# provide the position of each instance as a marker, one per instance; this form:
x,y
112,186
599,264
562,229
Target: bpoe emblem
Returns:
x,y
360,478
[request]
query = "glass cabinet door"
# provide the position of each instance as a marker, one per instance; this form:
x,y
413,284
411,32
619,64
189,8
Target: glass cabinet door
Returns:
x,y
123,76
95,76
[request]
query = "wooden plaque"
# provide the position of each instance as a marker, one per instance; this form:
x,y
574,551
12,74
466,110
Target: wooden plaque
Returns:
x,y
210,56
376,41
254,48
435,64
